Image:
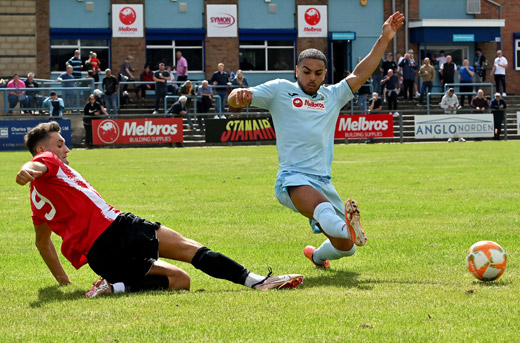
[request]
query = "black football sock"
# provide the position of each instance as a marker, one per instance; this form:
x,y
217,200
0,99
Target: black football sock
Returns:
x,y
219,266
148,283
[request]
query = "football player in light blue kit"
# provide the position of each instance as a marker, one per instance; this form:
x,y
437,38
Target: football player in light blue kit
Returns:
x,y
304,115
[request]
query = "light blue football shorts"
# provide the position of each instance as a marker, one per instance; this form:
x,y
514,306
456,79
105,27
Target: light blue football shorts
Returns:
x,y
322,184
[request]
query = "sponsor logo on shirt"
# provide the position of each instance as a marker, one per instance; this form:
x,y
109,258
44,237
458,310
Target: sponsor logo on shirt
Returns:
x,y
306,104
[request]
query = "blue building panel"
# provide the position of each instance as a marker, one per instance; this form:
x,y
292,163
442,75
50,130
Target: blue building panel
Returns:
x,y
447,34
256,14
445,9
67,13
161,14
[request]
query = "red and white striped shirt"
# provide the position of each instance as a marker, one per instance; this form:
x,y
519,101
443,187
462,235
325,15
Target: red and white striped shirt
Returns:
x,y
71,207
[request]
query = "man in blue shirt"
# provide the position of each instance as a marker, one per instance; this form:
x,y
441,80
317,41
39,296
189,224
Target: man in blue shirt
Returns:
x,y
67,80
466,76
304,115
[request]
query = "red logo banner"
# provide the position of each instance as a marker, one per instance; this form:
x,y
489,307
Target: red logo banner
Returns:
x,y
137,131
364,126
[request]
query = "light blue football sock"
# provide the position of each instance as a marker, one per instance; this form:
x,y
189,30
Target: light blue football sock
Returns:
x,y
329,221
327,252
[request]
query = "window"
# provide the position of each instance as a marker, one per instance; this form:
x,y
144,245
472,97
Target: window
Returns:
x,y
517,54
164,51
63,49
266,55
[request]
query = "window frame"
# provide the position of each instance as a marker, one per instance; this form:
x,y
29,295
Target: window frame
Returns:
x,y
266,48
174,48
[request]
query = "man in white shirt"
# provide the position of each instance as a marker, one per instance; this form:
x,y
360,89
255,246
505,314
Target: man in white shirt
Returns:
x,y
499,71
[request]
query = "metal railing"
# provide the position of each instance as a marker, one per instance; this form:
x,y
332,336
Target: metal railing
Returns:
x,y
195,97
76,94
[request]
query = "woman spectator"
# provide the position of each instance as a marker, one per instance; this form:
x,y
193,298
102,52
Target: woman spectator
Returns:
x,y
146,75
240,80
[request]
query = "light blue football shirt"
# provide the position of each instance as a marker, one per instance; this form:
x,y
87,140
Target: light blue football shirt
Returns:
x,y
304,124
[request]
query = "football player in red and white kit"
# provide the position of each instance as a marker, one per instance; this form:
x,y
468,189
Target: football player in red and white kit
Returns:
x,y
120,247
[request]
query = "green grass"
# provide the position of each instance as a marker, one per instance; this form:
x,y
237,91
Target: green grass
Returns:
x,y
422,205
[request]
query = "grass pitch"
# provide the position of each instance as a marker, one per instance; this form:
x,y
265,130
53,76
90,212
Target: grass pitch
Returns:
x,y
422,206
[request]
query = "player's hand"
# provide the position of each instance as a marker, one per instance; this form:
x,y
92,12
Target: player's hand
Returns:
x,y
392,24
243,97
26,175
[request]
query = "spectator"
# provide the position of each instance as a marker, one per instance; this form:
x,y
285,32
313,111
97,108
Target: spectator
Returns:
x,y
67,80
173,88
363,95
206,92
34,99
441,59
99,96
498,108
92,108
479,104
76,64
375,103
466,76
95,65
126,73
427,73
181,67
399,59
13,97
448,70
415,84
146,76
179,109
388,64
408,68
110,88
240,81
55,104
499,71
220,79
188,91
160,77
479,63
391,89
449,102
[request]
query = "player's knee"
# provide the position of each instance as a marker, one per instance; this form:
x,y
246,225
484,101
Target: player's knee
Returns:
x,y
179,280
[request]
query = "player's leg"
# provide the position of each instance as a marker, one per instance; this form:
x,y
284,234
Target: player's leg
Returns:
x,y
174,246
314,205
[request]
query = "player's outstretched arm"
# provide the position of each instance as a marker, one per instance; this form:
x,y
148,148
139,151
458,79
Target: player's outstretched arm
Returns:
x,y
366,67
240,97
49,254
29,172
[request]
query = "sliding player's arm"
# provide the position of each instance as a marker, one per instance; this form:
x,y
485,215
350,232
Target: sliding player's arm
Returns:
x,y
30,171
49,254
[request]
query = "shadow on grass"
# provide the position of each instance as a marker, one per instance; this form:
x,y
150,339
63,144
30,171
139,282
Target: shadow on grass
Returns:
x,y
348,279
334,278
56,293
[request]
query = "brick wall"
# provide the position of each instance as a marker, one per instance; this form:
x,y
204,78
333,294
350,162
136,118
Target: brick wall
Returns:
x,y
122,47
306,43
43,69
511,13
220,49
17,41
